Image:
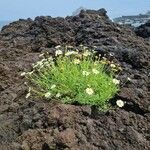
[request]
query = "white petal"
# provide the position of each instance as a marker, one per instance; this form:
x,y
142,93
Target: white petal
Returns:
x,y
120,103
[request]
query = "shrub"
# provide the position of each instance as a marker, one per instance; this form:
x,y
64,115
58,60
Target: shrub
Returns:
x,y
74,76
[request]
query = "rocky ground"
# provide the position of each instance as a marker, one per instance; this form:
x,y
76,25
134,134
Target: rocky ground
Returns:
x,y
35,124
143,30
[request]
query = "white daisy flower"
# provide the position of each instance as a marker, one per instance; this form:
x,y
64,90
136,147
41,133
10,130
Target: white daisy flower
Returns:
x,y
58,95
50,59
94,46
99,55
28,95
85,47
95,71
29,89
58,52
69,46
23,74
71,53
111,54
120,103
89,91
58,46
41,55
86,53
76,61
129,79
39,63
48,95
53,86
115,81
25,83
85,73
112,65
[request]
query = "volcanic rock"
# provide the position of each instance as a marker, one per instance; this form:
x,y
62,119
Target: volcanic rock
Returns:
x,y
143,30
38,124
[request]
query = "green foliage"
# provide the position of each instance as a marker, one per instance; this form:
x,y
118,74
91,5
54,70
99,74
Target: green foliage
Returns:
x,y
73,76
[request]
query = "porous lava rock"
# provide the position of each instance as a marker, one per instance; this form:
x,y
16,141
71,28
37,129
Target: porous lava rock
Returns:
x,y
143,30
33,124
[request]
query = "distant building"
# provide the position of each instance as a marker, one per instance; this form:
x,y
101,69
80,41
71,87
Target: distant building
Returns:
x,y
136,20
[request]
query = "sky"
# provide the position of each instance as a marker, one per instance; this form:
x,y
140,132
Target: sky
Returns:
x,y
14,9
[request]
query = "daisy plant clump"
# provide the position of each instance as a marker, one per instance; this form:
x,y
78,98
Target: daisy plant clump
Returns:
x,y
74,76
